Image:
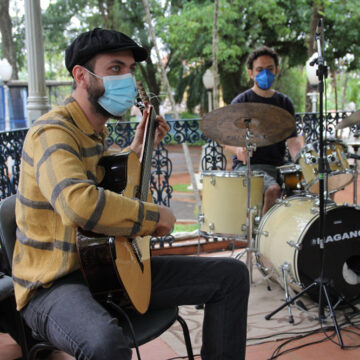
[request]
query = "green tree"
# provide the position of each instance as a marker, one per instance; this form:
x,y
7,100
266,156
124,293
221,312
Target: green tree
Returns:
x,y
8,47
243,26
185,28
288,26
63,20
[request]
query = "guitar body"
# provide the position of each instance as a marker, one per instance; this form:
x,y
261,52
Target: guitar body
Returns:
x,y
118,266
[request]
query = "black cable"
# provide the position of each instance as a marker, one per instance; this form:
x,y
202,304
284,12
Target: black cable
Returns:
x,y
347,317
280,334
181,357
276,352
345,347
123,313
274,356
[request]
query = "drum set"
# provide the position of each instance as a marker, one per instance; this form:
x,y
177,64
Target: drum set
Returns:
x,y
284,242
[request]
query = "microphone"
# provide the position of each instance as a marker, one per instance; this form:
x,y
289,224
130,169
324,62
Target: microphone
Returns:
x,y
318,33
354,156
319,27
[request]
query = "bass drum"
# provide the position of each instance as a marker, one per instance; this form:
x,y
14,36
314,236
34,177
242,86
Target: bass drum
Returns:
x,y
289,233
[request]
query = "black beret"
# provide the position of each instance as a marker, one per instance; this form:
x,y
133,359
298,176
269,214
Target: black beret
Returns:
x,y
96,41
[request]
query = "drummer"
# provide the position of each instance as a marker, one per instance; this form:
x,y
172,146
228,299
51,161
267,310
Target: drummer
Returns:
x,y
263,66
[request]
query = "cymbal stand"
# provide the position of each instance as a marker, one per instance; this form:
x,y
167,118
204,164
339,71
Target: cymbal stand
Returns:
x,y
321,282
356,148
249,211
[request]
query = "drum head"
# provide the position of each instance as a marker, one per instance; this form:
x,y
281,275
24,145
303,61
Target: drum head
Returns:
x,y
341,254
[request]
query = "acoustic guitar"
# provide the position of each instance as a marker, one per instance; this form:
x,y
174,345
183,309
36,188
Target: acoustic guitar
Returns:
x,y
117,266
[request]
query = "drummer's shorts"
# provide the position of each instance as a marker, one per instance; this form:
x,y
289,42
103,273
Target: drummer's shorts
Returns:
x,y
270,173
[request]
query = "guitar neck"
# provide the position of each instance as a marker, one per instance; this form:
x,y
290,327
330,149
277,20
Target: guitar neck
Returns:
x,y
146,159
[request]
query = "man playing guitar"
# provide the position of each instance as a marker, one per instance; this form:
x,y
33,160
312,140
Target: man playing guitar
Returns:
x,y
59,192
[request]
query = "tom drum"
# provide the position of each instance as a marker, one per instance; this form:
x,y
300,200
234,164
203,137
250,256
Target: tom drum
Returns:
x,y
224,202
292,177
339,174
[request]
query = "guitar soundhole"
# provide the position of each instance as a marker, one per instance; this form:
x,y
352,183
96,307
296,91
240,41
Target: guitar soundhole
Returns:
x,y
115,178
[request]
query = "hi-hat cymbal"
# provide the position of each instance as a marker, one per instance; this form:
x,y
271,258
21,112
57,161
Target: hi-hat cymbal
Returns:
x,y
353,119
268,124
352,141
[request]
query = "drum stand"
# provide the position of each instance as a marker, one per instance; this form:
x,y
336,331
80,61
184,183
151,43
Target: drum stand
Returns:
x,y
321,281
250,249
356,158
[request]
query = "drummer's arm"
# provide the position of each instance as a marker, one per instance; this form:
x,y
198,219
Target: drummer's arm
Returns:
x,y
239,151
295,144
230,148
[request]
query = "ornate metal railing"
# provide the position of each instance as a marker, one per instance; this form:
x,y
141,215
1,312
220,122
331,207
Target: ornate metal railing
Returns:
x,y
308,124
182,131
11,143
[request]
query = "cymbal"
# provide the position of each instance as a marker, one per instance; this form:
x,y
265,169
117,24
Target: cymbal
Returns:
x,y
353,119
352,141
269,124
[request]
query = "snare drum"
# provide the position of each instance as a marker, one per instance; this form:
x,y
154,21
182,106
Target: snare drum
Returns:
x,y
291,176
224,202
340,173
289,234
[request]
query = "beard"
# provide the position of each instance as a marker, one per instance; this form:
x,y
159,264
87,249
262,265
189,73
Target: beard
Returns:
x,y
95,92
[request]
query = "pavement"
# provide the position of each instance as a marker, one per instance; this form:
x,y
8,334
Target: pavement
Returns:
x,y
183,203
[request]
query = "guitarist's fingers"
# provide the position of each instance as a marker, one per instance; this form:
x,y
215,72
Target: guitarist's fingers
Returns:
x,y
162,128
143,120
136,145
166,221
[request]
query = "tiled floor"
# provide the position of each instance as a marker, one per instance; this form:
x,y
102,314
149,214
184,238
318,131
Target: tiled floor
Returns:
x,y
159,350
318,350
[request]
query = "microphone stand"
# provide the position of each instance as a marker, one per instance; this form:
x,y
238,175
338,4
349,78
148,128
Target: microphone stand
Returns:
x,y
320,282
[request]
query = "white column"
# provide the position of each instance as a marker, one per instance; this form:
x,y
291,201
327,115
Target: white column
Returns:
x,y
37,99
313,97
7,114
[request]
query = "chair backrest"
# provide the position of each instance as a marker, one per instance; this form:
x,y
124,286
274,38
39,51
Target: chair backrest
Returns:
x,y
8,228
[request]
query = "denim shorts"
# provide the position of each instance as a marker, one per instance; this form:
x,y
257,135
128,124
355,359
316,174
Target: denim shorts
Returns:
x,y
270,173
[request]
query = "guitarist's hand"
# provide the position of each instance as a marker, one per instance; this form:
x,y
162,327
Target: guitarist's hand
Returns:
x,y
166,221
162,128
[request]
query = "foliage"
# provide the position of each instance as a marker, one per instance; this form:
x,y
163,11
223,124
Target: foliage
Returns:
x,y
342,32
354,90
188,115
185,227
243,25
185,30
292,82
181,187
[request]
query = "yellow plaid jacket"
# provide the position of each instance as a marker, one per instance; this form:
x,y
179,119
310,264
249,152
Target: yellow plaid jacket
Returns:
x,y
58,192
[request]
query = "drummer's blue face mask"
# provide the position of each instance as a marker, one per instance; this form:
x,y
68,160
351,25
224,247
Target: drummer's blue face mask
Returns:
x,y
265,79
120,93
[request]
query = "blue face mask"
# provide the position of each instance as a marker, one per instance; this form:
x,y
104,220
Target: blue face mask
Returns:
x,y
120,93
265,79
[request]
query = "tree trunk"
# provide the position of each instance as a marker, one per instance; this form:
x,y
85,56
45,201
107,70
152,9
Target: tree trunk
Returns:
x,y
334,85
7,38
343,98
149,74
172,101
215,56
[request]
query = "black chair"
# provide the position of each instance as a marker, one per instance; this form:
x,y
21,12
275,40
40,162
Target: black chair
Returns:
x,y
136,326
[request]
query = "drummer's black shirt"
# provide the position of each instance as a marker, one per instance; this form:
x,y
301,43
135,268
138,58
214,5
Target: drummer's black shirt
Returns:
x,y
272,154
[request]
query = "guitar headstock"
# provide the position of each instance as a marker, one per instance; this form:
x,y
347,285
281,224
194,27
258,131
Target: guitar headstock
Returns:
x,y
142,93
